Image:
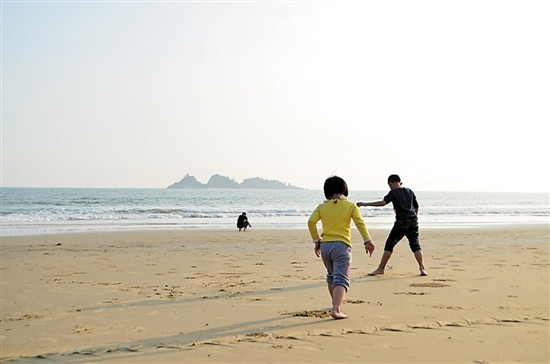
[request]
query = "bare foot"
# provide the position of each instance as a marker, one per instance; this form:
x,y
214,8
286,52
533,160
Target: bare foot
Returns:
x,y
423,272
376,272
338,315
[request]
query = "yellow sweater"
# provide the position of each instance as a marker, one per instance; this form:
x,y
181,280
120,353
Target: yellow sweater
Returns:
x,y
336,216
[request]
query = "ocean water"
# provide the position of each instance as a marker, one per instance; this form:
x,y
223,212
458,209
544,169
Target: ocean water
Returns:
x,y
27,211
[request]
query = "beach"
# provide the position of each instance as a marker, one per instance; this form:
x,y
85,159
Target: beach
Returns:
x,y
223,296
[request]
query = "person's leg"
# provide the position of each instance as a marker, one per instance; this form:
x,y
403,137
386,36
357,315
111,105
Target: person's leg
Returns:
x,y
420,260
396,234
414,244
341,256
326,249
339,293
382,266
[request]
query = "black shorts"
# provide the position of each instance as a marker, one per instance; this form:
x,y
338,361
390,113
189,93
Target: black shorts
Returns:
x,y
401,228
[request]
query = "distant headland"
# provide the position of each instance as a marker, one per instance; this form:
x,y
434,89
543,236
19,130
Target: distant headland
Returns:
x,y
218,181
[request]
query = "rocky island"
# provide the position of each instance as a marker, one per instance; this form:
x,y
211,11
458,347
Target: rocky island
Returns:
x,y
218,181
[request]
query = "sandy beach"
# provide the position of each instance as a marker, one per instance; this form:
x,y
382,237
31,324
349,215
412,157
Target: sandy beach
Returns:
x,y
222,296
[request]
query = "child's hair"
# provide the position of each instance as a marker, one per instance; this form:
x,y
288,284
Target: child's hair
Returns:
x,y
334,185
394,178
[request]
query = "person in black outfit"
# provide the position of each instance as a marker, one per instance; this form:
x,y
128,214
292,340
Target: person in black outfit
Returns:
x,y
405,206
242,222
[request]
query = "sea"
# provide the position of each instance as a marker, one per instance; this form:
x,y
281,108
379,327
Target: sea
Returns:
x,y
31,211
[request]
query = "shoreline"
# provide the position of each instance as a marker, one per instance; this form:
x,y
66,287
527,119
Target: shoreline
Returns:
x,y
210,296
91,229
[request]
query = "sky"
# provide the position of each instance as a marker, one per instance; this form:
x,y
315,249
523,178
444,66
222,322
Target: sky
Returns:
x,y
450,95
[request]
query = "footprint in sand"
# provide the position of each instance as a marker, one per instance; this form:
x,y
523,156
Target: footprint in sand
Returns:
x,y
430,285
257,335
354,301
79,329
395,328
25,317
426,326
319,314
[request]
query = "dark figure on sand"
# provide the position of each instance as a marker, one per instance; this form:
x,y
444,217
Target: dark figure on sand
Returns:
x,y
242,222
406,222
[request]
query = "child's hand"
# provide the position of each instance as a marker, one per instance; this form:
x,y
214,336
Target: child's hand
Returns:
x,y
318,249
369,247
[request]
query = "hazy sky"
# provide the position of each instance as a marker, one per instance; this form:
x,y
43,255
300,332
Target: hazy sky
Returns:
x,y
450,95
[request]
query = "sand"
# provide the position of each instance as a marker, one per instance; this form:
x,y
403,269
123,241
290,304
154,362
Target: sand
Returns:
x,y
260,297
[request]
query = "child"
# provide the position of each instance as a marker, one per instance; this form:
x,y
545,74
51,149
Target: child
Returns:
x,y
406,222
336,214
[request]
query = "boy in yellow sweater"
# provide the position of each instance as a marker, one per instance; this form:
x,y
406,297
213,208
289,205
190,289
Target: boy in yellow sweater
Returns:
x,y
334,244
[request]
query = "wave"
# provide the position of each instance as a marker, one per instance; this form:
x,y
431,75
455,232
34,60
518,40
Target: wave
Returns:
x,y
31,208
185,213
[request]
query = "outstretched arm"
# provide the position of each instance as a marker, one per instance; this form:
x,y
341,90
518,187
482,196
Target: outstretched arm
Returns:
x,y
360,224
376,203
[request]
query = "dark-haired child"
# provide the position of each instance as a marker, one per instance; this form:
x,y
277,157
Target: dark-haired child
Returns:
x,y
334,244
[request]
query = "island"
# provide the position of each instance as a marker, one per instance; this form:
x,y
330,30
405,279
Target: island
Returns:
x,y
218,181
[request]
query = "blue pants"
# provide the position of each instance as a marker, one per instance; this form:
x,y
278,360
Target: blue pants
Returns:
x,y
337,259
